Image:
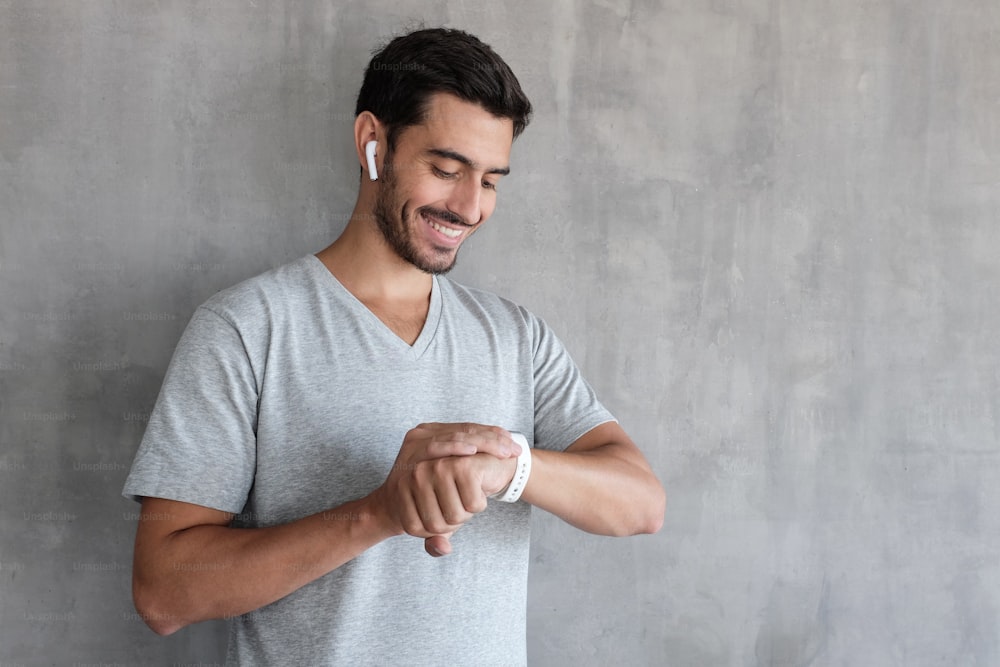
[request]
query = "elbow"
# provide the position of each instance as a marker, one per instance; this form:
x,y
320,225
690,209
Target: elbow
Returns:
x,y
655,509
653,524
644,517
151,610
162,629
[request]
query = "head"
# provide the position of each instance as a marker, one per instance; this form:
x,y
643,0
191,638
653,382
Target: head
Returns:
x,y
444,109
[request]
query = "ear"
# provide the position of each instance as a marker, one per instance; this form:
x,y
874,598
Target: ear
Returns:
x,y
368,128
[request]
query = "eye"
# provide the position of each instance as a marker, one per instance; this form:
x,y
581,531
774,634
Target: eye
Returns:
x,y
441,173
489,186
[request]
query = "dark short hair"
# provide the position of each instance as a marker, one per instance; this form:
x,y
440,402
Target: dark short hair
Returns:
x,y
403,75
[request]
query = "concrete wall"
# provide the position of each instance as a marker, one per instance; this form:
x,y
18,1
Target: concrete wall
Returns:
x,y
768,230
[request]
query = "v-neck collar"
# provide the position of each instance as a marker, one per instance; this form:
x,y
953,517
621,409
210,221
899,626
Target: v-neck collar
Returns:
x,y
430,327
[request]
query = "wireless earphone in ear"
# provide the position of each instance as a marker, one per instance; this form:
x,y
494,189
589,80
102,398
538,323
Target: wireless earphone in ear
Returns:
x,y
370,154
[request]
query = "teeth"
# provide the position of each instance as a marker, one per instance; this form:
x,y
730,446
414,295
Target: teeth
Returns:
x,y
450,233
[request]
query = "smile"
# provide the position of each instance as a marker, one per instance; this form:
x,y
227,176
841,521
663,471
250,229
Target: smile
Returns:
x,y
447,231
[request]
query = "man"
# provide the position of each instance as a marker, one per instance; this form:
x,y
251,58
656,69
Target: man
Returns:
x,y
316,418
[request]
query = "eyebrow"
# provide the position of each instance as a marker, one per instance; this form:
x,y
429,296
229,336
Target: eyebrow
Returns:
x,y
458,157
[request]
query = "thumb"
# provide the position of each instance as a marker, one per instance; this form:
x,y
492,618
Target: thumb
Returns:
x,y
438,545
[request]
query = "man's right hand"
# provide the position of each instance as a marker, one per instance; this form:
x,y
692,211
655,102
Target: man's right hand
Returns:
x,y
437,484
191,565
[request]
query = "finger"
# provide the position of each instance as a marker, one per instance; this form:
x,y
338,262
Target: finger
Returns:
x,y
438,545
447,444
434,441
430,493
409,514
461,439
470,485
449,474
487,439
496,441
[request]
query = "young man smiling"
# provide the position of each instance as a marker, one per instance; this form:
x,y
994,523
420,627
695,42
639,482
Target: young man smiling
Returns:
x,y
316,418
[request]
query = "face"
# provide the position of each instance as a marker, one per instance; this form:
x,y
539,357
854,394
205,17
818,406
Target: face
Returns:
x,y
440,183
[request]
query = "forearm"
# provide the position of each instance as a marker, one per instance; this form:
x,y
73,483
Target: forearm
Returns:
x,y
602,490
213,571
191,566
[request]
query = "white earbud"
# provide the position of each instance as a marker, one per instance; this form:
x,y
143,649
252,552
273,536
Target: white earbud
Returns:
x,y
370,154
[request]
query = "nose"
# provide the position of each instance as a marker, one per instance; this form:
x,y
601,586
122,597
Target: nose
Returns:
x,y
465,200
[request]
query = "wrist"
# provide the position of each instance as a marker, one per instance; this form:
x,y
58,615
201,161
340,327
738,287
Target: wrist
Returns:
x,y
507,468
376,511
522,469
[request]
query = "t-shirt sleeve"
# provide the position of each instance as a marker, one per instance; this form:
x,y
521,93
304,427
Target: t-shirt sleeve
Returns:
x,y
200,443
566,406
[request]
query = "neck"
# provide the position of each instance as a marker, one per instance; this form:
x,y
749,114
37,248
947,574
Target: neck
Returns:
x,y
368,267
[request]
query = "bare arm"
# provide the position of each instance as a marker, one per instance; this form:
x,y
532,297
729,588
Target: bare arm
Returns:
x,y
190,566
601,484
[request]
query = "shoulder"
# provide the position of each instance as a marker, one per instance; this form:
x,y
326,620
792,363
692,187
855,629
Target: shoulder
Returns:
x,y
494,313
267,294
483,303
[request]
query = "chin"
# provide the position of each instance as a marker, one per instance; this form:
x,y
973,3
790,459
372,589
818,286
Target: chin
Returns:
x,y
437,268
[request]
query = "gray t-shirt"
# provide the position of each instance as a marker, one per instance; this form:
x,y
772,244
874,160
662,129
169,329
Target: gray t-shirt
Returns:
x,y
286,397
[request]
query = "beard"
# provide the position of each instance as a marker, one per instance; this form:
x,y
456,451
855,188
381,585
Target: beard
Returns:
x,y
396,222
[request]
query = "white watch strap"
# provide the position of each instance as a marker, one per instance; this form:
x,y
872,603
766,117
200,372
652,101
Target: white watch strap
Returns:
x,y
513,491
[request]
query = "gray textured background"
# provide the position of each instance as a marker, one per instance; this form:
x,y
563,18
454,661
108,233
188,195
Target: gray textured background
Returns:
x,y
767,230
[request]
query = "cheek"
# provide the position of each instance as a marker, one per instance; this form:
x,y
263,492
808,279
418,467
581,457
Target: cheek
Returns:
x,y
428,193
